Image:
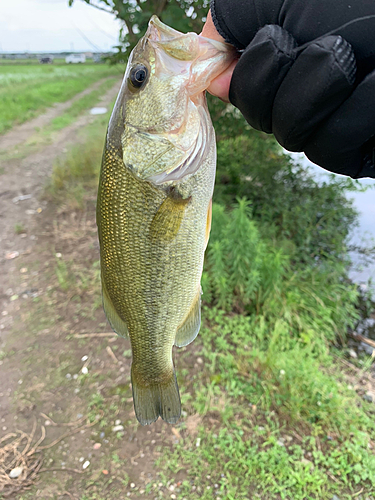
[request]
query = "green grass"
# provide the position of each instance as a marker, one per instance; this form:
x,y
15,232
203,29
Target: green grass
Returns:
x,y
26,91
84,103
277,423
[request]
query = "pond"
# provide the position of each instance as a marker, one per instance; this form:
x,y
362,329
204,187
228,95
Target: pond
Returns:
x,y
365,233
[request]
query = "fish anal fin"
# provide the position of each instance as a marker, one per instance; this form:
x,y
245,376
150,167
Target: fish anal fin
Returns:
x,y
208,223
156,399
189,328
117,324
167,220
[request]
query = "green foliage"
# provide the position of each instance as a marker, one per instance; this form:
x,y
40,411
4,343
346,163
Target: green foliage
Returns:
x,y
313,218
248,272
243,462
227,119
63,276
263,361
269,376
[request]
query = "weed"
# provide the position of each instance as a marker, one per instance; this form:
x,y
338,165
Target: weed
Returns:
x,y
63,276
19,228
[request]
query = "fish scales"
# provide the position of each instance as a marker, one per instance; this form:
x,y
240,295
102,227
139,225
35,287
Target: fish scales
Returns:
x,y
153,210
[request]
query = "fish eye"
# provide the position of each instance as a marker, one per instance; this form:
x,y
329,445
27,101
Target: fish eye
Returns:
x,y
138,76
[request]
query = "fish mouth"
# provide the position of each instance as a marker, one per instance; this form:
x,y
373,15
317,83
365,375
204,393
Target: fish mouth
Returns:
x,y
163,31
200,59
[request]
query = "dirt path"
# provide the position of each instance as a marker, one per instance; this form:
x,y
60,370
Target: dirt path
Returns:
x,y
20,207
21,133
23,180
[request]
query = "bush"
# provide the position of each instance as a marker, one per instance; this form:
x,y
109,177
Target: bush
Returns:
x,y
249,273
314,219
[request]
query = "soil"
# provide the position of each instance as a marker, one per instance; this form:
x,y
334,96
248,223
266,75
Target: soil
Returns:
x,y
27,176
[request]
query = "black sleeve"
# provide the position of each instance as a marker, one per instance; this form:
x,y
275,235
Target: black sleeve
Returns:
x,y
239,20
307,75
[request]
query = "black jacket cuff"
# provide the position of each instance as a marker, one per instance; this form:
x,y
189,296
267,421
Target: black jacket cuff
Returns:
x,y
239,20
236,21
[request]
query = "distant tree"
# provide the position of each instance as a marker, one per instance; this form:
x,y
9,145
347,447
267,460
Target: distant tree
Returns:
x,y
183,15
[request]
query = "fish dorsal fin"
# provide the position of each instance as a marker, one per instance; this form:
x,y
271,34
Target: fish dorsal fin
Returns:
x,y
189,328
117,324
167,220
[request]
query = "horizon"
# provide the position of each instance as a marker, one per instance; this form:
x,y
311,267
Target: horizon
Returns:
x,y
55,52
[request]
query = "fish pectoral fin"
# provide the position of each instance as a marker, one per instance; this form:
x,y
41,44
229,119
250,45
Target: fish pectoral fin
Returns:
x,y
167,220
117,324
156,399
189,328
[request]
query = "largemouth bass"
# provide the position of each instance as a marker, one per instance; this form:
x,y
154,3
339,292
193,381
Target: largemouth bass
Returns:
x,y
154,206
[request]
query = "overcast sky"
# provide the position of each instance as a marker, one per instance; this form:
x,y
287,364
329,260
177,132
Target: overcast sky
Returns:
x,y
50,25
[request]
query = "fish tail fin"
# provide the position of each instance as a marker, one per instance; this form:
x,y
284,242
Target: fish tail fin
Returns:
x,y
154,400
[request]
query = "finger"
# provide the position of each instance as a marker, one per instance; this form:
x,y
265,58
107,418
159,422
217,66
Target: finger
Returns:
x,y
219,87
319,81
345,142
209,30
259,73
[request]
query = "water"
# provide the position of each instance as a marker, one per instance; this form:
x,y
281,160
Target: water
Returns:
x,y
365,204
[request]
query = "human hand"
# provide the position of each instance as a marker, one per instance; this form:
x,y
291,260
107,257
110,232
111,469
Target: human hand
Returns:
x,y
219,87
307,75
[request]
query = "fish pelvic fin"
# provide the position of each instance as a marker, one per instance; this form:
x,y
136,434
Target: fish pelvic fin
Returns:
x,y
117,324
189,328
156,399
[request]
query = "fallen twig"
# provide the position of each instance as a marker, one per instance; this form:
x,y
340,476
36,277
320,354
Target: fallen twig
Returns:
x,y
18,452
112,354
69,495
69,424
56,469
358,336
40,440
349,365
15,454
91,335
332,476
358,493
